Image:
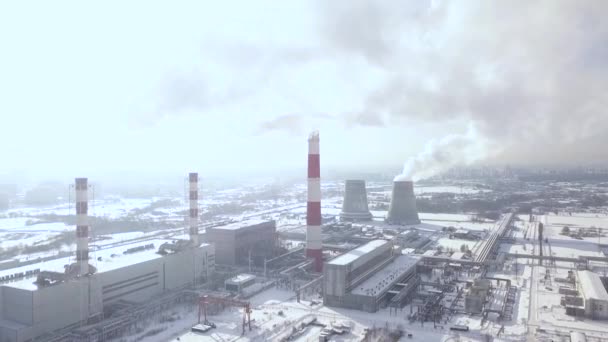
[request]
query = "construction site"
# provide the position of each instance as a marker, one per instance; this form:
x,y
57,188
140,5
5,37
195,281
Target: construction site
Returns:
x,y
348,270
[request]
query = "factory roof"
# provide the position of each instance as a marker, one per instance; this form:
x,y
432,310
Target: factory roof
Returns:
x,y
387,276
112,258
457,255
354,254
241,224
241,278
430,252
592,286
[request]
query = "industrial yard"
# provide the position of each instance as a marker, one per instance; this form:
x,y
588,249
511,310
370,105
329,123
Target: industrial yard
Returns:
x,y
336,260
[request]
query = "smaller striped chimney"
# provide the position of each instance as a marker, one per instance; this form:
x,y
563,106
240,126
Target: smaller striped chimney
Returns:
x,y
82,225
193,219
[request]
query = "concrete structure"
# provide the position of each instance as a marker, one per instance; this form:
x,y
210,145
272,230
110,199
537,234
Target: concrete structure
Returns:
x,y
402,209
595,297
465,234
193,201
81,267
29,309
475,297
314,242
240,282
237,242
367,277
354,207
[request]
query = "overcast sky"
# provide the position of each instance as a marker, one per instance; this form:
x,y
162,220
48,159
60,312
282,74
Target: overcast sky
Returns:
x,y
91,88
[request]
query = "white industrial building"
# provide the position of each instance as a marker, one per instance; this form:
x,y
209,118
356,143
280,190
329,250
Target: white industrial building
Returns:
x,y
369,276
71,292
595,297
29,309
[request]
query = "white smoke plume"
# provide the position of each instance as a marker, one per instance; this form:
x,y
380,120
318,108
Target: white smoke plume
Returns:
x,y
531,75
442,154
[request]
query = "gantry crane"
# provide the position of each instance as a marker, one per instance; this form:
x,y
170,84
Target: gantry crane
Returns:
x,y
224,302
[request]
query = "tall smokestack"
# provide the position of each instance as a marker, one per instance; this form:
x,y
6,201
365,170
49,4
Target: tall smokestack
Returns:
x,y
403,204
314,242
82,225
354,207
193,219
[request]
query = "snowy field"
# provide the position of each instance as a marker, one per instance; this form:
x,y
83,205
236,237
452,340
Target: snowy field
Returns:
x,y
19,232
579,220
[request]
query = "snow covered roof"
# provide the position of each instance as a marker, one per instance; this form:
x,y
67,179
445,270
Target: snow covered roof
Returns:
x,y
241,224
241,278
387,276
356,253
457,255
592,286
104,259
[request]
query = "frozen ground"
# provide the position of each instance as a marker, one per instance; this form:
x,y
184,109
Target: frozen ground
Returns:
x,y
23,231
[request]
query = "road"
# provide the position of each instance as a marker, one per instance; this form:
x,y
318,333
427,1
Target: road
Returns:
x,y
534,279
533,307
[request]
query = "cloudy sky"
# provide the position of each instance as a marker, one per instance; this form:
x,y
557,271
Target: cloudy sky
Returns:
x,y
91,88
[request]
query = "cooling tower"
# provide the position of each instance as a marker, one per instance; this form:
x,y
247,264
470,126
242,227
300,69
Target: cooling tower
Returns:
x,y
354,207
403,204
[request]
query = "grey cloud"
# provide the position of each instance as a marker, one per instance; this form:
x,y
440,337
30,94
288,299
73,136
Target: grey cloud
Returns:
x,y
291,123
528,74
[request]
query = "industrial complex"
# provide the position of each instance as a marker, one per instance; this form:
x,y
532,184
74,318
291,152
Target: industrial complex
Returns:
x,y
365,265
64,294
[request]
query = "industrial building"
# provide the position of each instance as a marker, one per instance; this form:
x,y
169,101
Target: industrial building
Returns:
x,y
241,242
355,206
411,239
70,292
593,291
402,209
239,283
369,277
475,298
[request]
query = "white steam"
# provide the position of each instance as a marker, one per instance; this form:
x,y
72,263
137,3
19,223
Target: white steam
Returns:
x,y
442,154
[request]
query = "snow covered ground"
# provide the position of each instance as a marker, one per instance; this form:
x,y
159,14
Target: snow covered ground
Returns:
x,y
455,244
276,313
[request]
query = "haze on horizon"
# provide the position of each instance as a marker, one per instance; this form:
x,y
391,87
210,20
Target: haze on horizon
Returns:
x,y
235,87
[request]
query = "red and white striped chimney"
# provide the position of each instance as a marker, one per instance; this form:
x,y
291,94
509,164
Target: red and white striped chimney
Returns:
x,y
82,225
193,219
313,208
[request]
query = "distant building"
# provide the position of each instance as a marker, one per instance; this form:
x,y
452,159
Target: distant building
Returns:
x,y
595,297
237,242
